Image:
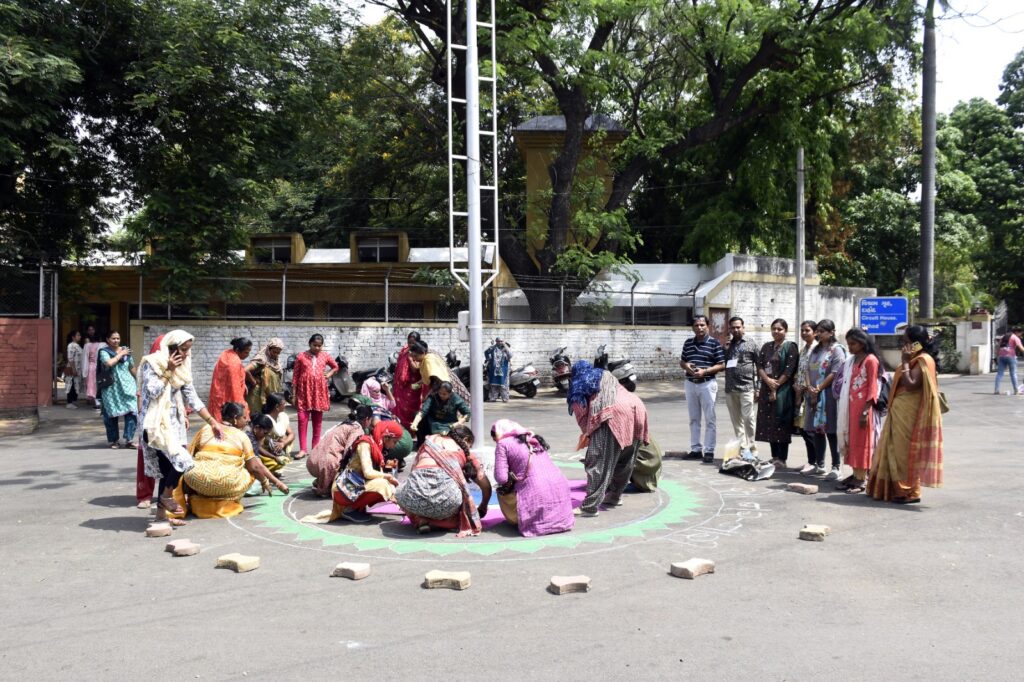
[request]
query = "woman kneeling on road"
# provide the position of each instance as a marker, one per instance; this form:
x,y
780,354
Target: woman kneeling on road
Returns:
x,y
436,494
362,482
224,469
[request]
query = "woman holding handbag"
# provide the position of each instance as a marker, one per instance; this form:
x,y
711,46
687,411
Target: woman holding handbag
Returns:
x,y
532,491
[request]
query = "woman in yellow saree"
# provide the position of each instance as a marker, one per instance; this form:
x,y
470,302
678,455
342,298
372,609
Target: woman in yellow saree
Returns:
x,y
224,469
909,453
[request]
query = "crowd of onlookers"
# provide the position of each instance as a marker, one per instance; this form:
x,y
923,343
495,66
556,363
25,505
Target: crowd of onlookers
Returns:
x,y
836,395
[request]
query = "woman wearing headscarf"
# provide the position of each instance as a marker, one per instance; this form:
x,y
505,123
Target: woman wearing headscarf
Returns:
x,y
378,393
266,375
909,453
165,387
610,419
436,494
228,382
363,482
407,398
522,463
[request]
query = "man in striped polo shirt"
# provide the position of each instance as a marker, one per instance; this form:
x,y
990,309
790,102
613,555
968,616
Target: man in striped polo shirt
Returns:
x,y
702,358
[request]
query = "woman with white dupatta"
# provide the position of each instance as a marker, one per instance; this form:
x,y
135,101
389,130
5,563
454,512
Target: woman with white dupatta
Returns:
x,y
165,387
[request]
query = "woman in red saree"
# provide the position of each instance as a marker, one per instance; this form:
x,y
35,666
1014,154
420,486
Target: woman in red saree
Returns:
x,y
909,453
407,399
363,482
228,383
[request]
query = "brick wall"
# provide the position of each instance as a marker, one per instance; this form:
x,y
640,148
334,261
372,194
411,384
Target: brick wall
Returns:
x,y
25,377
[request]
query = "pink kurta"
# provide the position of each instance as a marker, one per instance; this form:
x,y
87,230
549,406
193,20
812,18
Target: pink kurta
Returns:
x,y
863,388
308,381
89,356
542,493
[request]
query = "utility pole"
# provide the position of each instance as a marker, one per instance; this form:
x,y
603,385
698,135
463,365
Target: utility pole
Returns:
x,y
800,240
926,278
471,277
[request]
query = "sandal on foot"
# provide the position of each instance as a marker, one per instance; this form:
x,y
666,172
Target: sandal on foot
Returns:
x,y
906,500
170,505
855,488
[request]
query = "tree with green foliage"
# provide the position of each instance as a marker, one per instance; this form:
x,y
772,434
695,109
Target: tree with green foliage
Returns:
x,y
61,70
680,77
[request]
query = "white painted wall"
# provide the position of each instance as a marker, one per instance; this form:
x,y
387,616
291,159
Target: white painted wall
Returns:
x,y
654,350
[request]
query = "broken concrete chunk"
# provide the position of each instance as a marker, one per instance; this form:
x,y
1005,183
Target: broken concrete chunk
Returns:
x,y
564,584
239,563
802,488
182,547
158,530
350,570
814,533
452,580
691,568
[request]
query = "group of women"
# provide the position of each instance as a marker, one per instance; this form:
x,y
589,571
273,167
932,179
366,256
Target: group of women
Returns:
x,y
888,431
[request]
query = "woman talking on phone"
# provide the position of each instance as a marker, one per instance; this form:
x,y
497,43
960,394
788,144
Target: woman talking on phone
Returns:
x,y
165,388
909,453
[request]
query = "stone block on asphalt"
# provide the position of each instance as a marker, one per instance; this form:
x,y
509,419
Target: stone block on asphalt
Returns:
x,y
239,563
158,530
352,571
802,488
182,547
564,584
692,568
814,533
452,580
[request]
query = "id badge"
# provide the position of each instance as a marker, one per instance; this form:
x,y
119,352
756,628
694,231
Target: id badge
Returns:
x,y
731,364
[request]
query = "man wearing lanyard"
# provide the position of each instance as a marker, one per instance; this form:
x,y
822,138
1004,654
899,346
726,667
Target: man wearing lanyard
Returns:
x,y
740,375
702,359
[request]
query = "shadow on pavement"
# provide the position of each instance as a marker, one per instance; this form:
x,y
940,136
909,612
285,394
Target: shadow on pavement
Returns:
x,y
118,524
862,500
114,501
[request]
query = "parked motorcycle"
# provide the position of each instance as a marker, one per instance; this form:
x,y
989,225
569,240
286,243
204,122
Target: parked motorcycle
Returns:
x,y
620,366
455,365
561,370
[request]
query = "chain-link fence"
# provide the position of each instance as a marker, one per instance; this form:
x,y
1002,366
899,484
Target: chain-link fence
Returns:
x,y
298,299
26,293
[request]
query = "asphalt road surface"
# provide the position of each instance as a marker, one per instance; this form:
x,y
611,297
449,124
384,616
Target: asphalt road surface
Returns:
x,y
928,591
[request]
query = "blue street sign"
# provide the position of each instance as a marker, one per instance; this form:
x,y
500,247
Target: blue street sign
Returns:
x,y
883,314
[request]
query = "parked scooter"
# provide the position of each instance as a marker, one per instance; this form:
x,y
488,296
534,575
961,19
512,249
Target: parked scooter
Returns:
x,y
561,370
345,383
524,380
620,366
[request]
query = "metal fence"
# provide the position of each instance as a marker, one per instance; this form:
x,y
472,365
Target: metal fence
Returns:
x,y
27,293
286,298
